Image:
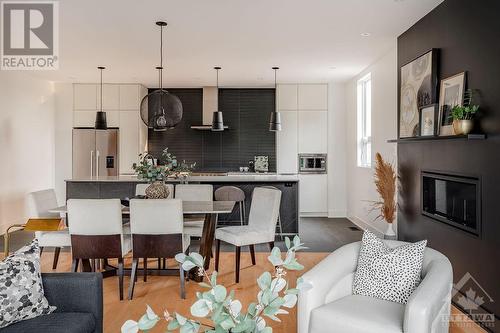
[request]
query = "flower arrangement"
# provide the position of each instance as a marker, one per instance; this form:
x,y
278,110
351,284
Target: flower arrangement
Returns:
x,y
385,182
222,309
147,170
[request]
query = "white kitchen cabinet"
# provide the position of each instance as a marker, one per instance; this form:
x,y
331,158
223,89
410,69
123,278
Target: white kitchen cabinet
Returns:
x,y
287,143
143,129
313,195
313,132
85,97
129,97
111,97
312,97
287,97
83,119
129,141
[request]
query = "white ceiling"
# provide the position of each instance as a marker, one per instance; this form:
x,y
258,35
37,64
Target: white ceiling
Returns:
x,y
311,40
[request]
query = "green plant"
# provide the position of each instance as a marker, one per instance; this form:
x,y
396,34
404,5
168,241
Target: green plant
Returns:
x,y
222,309
468,110
146,169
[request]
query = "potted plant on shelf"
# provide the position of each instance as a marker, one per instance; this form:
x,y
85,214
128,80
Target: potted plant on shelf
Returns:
x,y
385,182
219,310
463,116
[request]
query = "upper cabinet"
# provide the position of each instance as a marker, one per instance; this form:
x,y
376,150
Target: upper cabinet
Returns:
x,y
286,140
312,97
111,96
287,97
313,128
85,97
129,97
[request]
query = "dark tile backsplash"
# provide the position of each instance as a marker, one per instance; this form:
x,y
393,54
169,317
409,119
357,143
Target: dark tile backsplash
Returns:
x,y
246,112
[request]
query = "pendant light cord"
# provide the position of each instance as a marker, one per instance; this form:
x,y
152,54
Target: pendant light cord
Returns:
x,y
217,70
101,87
161,57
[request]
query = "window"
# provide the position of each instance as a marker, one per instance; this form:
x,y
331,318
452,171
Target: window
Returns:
x,y
364,123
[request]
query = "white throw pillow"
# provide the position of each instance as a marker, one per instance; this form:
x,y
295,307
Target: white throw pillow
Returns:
x,y
21,288
387,273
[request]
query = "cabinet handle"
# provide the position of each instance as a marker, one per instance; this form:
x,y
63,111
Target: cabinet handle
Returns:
x,y
91,163
97,164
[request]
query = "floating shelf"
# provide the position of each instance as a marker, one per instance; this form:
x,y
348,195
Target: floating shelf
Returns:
x,y
206,128
437,138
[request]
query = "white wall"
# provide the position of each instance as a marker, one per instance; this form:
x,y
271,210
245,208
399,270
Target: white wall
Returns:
x,y
337,118
63,136
359,181
26,142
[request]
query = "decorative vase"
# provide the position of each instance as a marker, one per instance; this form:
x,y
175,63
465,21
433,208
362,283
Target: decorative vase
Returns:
x,y
457,127
157,190
389,232
466,126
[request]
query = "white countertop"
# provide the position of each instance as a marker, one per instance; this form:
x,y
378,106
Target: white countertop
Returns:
x,y
236,178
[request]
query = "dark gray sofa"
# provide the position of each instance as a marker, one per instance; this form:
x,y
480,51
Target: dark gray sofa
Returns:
x,y
78,297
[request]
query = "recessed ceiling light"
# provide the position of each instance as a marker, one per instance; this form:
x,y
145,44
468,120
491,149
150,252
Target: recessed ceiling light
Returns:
x,y
260,78
365,34
332,67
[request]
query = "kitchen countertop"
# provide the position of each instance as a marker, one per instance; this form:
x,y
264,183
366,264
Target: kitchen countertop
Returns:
x,y
232,177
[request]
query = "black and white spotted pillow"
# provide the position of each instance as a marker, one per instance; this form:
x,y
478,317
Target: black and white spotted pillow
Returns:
x,y
388,273
21,288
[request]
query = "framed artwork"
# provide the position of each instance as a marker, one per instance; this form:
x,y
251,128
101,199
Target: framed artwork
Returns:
x,y
428,117
418,88
451,94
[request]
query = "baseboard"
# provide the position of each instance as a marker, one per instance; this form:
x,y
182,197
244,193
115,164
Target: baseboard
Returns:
x,y
335,213
313,214
365,226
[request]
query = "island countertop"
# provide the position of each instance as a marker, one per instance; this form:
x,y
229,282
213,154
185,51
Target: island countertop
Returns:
x,y
230,178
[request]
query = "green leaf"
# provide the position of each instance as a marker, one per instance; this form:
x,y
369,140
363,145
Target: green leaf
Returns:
x,y
182,320
277,285
275,257
201,308
130,326
252,307
264,281
290,301
227,324
292,291
235,308
180,257
197,259
220,293
188,265
146,324
266,330
287,242
213,278
173,325
277,302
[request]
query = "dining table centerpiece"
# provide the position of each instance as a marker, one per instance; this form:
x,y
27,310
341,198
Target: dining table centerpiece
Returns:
x,y
156,173
217,309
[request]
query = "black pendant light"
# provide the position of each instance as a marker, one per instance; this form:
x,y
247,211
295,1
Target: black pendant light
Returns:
x,y
161,110
217,120
275,119
100,116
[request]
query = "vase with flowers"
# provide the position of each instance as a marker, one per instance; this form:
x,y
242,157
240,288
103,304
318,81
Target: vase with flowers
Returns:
x,y
464,115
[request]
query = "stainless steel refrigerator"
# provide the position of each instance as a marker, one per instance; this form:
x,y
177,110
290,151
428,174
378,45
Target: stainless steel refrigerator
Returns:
x,y
95,153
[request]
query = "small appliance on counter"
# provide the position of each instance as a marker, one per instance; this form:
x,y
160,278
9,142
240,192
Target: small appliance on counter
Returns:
x,y
312,163
261,163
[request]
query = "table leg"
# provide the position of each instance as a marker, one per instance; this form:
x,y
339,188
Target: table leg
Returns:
x,y
206,243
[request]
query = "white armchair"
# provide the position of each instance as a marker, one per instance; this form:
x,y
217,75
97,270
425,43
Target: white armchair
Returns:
x,y
329,305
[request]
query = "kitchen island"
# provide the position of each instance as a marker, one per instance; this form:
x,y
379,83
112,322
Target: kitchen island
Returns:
x,y
124,187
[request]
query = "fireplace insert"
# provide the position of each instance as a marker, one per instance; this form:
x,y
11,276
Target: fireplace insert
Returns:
x,y
452,199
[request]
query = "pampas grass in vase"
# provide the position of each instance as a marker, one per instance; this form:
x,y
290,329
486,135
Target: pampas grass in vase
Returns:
x,y
385,182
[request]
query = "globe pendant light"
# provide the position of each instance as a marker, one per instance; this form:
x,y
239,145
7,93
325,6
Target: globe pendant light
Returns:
x,y
217,121
100,116
275,119
161,110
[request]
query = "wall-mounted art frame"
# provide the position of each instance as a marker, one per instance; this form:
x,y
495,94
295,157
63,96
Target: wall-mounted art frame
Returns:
x,y
451,94
428,120
418,88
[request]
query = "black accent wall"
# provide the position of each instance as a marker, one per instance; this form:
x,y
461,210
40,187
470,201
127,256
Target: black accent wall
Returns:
x,y
246,112
467,34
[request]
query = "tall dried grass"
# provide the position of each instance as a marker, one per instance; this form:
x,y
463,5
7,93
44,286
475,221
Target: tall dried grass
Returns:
x,y
385,181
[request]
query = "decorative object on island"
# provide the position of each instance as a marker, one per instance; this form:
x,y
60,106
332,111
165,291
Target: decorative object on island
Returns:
x,y
428,116
161,110
275,120
100,116
451,94
261,163
463,116
222,309
418,88
217,121
385,182
156,174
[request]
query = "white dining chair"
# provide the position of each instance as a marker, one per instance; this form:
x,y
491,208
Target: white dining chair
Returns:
x,y
193,224
261,227
157,227
40,202
97,232
140,189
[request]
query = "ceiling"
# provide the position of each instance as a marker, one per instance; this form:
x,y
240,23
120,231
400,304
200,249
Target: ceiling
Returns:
x,y
311,40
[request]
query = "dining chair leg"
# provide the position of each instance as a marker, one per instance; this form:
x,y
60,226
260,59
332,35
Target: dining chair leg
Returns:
x,y
120,277
217,254
237,271
74,265
164,263
271,246
159,263
252,253
86,267
183,287
145,277
56,257
41,250
133,278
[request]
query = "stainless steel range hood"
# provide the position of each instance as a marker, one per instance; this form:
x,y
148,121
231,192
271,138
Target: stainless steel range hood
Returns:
x,y
210,104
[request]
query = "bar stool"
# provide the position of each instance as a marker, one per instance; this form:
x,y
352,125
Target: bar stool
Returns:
x,y
279,215
232,193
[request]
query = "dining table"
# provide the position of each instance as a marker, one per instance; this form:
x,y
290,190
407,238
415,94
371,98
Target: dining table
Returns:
x,y
211,210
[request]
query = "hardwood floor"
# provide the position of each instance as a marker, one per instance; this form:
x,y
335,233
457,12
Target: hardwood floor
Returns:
x,y
162,292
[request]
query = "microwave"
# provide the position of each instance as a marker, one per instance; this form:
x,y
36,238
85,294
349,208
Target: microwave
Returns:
x,y
312,163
